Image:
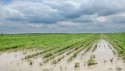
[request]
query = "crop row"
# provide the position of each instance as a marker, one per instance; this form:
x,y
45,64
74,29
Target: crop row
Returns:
x,y
48,56
118,42
43,41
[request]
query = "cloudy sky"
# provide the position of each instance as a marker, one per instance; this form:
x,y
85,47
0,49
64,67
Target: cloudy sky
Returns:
x,y
41,16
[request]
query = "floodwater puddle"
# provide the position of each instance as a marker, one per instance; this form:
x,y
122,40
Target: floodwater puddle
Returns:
x,y
106,60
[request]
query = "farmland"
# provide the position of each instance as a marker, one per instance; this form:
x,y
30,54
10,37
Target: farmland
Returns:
x,y
118,41
62,52
40,41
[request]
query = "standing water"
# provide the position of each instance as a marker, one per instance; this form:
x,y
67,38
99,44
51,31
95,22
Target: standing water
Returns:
x,y
106,61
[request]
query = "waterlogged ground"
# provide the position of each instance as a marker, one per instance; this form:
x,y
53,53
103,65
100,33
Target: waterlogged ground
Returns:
x,y
106,60
104,56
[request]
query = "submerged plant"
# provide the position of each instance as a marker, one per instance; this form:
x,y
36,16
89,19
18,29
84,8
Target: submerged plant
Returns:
x,y
54,62
91,61
30,62
111,60
40,63
45,70
118,68
77,64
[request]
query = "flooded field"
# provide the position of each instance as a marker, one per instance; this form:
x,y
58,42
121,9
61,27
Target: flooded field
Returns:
x,y
62,35
103,56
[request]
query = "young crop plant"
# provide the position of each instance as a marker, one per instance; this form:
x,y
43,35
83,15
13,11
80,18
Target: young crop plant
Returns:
x,y
30,62
57,60
87,45
91,61
118,42
54,62
77,64
42,41
94,47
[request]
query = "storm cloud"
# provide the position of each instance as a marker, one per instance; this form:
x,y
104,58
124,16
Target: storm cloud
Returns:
x,y
62,16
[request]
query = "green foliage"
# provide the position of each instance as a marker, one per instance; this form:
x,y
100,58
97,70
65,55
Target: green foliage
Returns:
x,y
118,41
50,45
91,60
12,41
77,64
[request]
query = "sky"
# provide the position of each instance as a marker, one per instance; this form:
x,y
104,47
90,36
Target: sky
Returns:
x,y
62,16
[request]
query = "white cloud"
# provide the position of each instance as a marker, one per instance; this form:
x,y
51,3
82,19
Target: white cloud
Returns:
x,y
101,19
35,25
68,23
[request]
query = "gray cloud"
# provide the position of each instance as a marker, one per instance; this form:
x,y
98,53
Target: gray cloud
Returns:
x,y
118,19
62,16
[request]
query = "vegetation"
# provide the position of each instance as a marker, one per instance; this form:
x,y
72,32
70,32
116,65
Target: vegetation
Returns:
x,y
57,60
57,48
30,62
44,41
94,47
50,45
77,64
118,42
87,45
91,60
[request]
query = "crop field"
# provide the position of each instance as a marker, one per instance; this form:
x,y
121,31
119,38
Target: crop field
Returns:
x,y
118,41
62,52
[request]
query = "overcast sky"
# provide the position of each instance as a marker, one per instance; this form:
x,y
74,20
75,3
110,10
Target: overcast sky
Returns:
x,y
40,16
